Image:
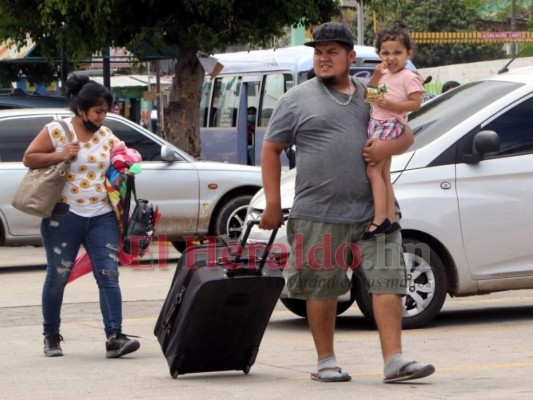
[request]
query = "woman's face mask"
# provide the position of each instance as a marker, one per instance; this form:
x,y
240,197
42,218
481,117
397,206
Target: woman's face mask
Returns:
x,y
251,118
91,127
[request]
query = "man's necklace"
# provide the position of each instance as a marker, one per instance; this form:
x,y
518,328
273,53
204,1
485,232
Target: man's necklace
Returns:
x,y
352,91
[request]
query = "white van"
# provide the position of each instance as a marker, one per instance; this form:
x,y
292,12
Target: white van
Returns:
x,y
255,79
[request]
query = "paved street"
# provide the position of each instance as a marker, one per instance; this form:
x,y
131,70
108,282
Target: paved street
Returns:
x,y
481,346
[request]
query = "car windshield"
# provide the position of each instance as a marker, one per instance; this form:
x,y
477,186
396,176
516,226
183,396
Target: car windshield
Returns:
x,y
447,110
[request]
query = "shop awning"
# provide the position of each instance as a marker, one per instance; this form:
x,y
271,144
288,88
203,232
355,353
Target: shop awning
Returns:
x,y
10,52
122,81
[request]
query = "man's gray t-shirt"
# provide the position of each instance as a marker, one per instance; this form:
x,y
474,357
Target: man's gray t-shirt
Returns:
x,y
331,181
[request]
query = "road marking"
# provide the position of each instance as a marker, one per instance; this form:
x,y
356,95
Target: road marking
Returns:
x,y
474,301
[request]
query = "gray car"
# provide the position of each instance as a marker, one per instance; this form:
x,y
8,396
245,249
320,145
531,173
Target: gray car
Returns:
x,y
195,198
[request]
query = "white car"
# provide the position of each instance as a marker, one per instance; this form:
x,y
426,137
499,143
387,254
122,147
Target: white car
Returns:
x,y
465,193
195,198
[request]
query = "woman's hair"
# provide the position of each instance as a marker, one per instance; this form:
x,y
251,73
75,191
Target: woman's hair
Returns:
x,y
397,32
83,93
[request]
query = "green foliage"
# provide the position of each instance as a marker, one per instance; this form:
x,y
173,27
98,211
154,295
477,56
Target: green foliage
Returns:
x,y
83,27
438,16
79,28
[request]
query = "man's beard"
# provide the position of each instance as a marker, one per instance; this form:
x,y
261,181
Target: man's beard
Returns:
x,y
330,80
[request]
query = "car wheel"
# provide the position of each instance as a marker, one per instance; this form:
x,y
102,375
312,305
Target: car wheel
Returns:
x,y
228,221
298,306
426,286
230,218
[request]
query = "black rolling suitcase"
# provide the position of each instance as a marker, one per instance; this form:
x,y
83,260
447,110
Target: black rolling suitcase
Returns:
x,y
218,307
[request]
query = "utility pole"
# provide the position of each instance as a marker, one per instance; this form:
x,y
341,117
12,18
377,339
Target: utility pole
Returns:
x,y
64,57
513,26
360,23
360,17
106,66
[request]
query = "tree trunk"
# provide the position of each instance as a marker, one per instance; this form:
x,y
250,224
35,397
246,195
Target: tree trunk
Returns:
x,y
182,114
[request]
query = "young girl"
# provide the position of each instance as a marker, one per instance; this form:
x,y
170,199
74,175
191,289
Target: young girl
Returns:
x,y
392,91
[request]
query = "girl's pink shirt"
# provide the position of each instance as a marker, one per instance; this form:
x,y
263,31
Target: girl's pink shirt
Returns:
x,y
399,86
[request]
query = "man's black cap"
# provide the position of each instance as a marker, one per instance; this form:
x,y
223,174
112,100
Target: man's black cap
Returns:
x,y
331,32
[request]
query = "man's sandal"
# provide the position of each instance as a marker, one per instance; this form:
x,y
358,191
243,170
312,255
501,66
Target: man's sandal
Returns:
x,y
411,370
331,375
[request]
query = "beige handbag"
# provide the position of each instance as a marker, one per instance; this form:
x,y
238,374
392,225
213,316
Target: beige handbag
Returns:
x,y
40,189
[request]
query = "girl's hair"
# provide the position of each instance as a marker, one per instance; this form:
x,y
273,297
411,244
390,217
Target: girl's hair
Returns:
x,y
83,93
397,32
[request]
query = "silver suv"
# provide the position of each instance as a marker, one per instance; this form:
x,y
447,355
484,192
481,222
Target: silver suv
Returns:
x,y
195,198
464,189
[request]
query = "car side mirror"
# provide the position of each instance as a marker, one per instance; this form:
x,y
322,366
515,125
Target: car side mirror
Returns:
x,y
485,142
168,154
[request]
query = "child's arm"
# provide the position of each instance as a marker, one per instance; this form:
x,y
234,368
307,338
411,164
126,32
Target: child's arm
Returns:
x,y
413,103
378,73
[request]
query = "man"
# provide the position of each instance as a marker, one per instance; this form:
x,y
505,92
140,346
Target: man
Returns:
x,y
327,118
153,119
251,120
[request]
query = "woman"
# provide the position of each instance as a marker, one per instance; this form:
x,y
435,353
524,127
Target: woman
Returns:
x,y
83,215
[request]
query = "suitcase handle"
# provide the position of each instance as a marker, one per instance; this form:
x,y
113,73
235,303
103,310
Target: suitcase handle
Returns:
x,y
242,244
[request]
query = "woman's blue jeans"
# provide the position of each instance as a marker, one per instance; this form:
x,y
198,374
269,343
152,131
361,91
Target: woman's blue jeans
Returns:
x,y
62,237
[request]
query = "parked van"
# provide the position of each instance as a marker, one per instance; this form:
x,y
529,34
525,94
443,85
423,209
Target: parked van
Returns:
x,y
249,87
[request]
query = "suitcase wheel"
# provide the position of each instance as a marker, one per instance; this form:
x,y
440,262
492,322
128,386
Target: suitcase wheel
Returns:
x,y
174,374
246,369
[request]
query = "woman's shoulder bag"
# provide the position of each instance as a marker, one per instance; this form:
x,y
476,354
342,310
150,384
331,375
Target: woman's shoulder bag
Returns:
x,y
40,188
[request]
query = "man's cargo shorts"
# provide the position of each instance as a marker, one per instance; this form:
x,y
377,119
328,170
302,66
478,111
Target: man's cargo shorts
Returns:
x,y
323,253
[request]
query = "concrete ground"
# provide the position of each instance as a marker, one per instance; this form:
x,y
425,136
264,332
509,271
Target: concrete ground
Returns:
x,y
481,346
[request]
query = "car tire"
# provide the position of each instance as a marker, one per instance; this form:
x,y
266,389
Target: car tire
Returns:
x,y
298,307
229,220
426,286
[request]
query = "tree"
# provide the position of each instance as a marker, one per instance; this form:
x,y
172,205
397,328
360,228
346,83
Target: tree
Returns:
x,y
191,26
438,16
502,11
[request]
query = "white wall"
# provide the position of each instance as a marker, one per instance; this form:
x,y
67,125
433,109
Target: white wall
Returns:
x,y
472,71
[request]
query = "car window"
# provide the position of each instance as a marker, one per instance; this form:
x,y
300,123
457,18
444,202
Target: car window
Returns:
x,y
274,86
149,149
515,129
441,114
17,133
226,101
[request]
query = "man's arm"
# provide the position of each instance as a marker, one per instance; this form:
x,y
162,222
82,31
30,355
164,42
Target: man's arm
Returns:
x,y
271,170
377,150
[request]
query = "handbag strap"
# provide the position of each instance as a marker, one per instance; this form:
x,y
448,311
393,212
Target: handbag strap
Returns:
x,y
65,128
130,188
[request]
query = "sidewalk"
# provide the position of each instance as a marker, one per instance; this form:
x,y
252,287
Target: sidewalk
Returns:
x,y
33,257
